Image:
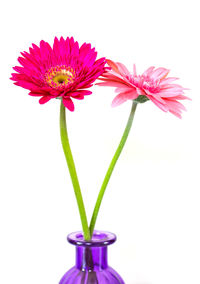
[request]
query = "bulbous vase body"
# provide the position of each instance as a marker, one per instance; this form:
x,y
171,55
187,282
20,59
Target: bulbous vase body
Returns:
x,y
91,260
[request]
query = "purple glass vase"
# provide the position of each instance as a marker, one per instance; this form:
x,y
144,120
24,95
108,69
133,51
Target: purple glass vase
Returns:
x,y
91,260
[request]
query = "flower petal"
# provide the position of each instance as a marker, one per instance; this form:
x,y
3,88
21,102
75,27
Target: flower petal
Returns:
x,y
118,100
148,72
134,70
176,113
113,65
158,104
111,84
122,69
159,73
124,96
44,99
68,104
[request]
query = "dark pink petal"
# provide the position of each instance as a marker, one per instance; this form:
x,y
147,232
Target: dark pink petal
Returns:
x,y
75,50
56,48
80,93
89,59
33,61
84,92
40,93
84,50
44,100
71,43
35,94
77,96
46,53
62,47
68,104
26,85
100,62
85,85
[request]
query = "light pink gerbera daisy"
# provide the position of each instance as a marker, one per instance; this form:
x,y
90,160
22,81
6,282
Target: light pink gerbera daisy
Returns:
x,y
152,85
64,71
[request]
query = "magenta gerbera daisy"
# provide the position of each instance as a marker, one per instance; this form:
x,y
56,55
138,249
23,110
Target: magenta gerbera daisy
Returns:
x,y
65,71
152,85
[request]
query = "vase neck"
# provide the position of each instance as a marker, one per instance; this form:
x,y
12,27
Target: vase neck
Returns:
x,y
91,258
92,254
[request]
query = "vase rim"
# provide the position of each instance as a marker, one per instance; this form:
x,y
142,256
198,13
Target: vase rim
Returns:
x,y
99,239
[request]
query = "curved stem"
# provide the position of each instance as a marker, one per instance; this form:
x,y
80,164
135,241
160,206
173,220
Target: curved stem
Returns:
x,y
111,167
72,171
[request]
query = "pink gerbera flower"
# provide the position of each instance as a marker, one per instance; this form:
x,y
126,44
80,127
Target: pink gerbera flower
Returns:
x,y
64,71
152,85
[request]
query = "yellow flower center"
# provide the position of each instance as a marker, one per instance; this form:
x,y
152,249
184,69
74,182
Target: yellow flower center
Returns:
x,y
63,77
59,77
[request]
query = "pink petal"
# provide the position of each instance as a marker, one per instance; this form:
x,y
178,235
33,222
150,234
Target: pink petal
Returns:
x,y
148,71
125,89
111,77
122,97
134,70
159,73
111,84
169,94
174,105
158,104
155,96
118,100
172,87
122,69
181,97
176,113
113,65
167,80
132,95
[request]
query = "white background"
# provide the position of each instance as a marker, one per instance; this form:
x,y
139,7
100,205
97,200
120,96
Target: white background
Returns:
x,y
152,201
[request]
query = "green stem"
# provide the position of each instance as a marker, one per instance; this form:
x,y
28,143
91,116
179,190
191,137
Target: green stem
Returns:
x,y
111,168
72,171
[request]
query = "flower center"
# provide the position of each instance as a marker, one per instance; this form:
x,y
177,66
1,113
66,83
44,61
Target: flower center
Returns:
x,y
60,77
146,83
